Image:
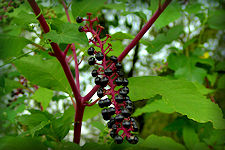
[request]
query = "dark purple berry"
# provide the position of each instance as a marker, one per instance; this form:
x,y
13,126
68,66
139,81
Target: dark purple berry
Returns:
x,y
130,108
118,139
126,89
132,119
101,103
132,139
112,110
111,122
104,81
125,113
107,102
126,124
119,98
129,102
94,73
100,93
118,66
135,128
91,61
123,92
112,133
79,19
97,80
119,81
80,29
114,127
113,58
99,56
126,98
91,50
108,72
119,118
120,73
125,82
105,114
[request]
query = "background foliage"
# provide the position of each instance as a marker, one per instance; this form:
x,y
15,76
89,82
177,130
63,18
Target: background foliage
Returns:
x,y
176,72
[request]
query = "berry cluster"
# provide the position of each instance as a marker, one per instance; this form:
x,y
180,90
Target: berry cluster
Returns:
x,y
117,108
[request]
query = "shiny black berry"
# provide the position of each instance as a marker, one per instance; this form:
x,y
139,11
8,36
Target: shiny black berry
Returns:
x,y
119,118
108,72
125,113
114,127
119,81
105,114
132,119
118,66
118,139
99,56
126,98
132,139
123,92
100,93
112,133
126,124
125,82
120,73
97,80
91,61
107,102
129,102
135,127
80,29
104,81
111,122
112,110
126,89
79,19
91,50
94,73
101,103
119,98
130,108
113,58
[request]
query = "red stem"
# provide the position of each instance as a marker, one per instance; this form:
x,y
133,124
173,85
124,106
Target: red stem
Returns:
x,y
144,30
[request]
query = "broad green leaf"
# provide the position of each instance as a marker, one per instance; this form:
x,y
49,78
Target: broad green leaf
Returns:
x,y
62,125
24,19
221,82
67,33
180,95
165,38
46,73
120,6
217,19
98,125
11,46
117,47
95,146
21,143
44,96
33,119
190,137
36,128
156,105
170,14
82,7
9,85
91,112
193,8
161,143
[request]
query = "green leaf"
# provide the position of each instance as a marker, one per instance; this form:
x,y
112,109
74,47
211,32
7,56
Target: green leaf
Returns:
x,y
190,137
162,143
67,146
44,96
170,14
217,19
162,39
46,73
120,6
24,19
9,85
21,143
193,8
67,33
81,7
117,47
180,95
221,82
98,125
156,105
91,112
137,13
11,46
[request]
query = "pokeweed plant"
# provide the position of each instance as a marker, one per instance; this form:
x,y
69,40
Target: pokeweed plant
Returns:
x,y
110,69
116,93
